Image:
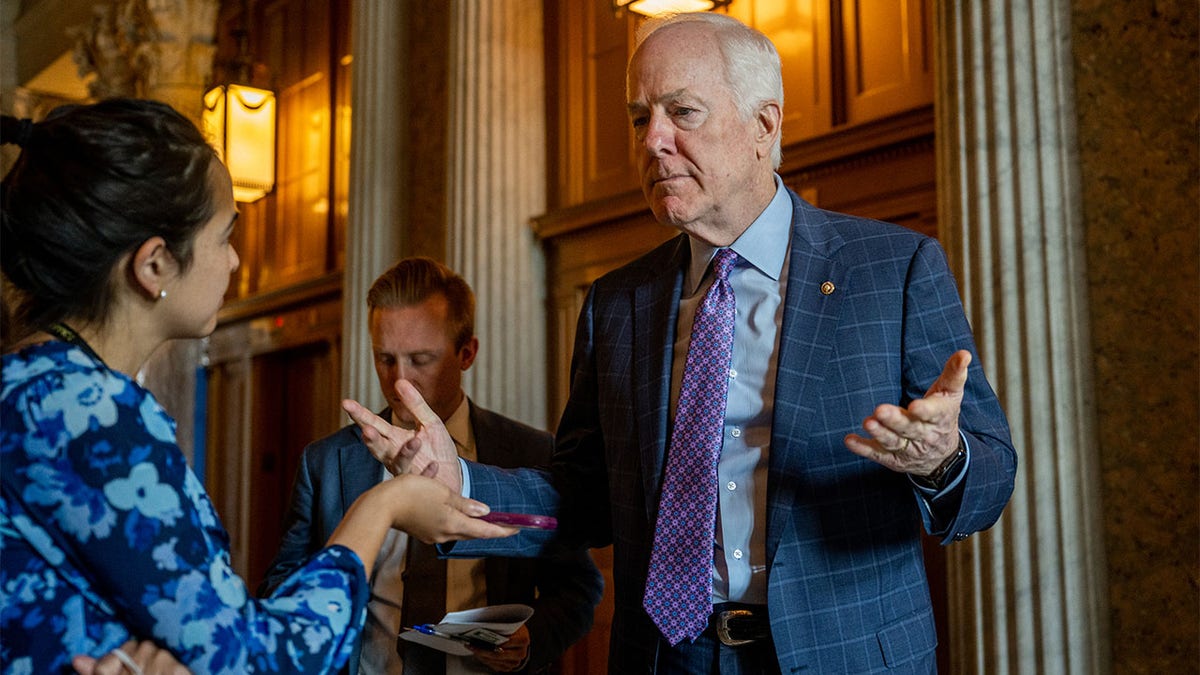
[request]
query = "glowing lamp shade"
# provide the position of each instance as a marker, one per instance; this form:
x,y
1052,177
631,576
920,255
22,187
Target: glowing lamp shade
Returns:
x,y
657,7
240,123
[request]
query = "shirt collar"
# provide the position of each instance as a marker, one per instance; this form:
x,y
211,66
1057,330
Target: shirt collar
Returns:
x,y
763,244
459,425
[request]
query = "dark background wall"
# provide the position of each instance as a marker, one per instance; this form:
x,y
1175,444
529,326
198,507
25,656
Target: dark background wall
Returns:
x,y
1138,84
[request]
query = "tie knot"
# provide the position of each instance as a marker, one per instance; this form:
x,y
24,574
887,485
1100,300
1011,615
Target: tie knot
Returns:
x,y
723,263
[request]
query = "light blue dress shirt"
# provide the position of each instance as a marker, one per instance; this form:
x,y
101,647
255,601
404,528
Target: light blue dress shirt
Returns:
x,y
758,281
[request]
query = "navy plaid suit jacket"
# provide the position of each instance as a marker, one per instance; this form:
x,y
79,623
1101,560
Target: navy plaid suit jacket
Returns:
x,y
847,591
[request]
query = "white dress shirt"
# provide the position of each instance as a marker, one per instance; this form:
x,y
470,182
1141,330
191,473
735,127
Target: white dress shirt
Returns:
x,y
466,586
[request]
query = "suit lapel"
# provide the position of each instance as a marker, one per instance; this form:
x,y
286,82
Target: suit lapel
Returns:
x,y
480,426
653,339
810,318
360,471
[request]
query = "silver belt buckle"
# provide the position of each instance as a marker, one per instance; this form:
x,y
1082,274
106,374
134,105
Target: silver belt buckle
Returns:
x,y
723,627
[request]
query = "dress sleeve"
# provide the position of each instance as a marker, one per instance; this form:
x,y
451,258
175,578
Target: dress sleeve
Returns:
x,y
145,531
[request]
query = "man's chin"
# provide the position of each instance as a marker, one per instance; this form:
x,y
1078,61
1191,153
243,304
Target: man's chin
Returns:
x,y
669,212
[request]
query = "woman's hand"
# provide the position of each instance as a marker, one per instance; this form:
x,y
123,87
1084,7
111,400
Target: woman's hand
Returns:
x,y
131,658
420,506
431,512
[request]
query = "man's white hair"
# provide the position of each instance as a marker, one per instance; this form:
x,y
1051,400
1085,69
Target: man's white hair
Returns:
x,y
752,66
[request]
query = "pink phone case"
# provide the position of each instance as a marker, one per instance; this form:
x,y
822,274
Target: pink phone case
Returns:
x,y
523,520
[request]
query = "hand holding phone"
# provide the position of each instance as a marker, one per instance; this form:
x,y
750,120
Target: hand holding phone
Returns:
x,y
521,520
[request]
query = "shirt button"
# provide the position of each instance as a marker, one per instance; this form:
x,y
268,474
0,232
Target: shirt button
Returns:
x,y
733,372
731,485
737,554
735,432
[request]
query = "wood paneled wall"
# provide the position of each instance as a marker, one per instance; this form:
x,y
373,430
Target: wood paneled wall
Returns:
x,y
301,51
274,361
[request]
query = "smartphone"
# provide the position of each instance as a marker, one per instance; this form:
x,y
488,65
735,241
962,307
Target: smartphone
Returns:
x,y
522,520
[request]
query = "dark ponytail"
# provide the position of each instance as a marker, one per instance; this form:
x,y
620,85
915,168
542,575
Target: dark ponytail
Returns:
x,y
92,183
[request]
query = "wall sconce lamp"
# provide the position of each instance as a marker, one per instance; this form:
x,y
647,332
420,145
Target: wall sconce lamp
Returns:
x,y
657,7
240,123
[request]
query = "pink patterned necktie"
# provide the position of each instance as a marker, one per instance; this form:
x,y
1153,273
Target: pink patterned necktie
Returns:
x,y
679,582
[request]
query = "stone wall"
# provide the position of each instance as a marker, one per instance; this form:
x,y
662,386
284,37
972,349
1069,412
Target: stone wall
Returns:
x,y
1137,87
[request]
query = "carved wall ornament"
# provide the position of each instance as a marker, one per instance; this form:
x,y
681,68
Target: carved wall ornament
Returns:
x,y
159,49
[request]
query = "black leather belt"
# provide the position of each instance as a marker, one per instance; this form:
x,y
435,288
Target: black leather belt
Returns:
x,y
736,624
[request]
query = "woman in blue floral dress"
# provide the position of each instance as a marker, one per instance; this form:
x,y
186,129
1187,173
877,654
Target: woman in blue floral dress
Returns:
x,y
116,226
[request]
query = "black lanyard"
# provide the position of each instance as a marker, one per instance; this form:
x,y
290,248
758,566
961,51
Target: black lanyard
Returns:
x,y
65,333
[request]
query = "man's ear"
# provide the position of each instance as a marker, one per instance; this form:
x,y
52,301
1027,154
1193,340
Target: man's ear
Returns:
x,y
466,354
769,119
152,267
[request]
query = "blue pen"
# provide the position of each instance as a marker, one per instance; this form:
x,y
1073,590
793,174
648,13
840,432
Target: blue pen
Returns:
x,y
476,642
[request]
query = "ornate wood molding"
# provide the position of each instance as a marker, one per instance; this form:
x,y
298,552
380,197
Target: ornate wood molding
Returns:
x,y
288,297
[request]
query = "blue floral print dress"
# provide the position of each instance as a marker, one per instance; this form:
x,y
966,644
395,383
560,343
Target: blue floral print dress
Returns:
x,y
106,534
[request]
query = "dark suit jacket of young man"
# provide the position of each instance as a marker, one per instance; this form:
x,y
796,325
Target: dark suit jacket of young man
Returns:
x,y
336,469
871,314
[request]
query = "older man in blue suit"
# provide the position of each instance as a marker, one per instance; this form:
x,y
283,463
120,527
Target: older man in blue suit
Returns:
x,y
851,407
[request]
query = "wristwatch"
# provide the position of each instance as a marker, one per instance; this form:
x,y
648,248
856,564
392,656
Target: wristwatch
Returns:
x,y
947,470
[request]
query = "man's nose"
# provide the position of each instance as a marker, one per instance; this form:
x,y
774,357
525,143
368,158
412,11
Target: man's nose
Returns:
x,y
660,136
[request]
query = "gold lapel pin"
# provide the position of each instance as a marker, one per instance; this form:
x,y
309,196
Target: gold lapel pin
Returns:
x,y
827,288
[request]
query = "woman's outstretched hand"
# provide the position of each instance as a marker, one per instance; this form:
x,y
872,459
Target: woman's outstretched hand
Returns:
x,y
418,505
433,513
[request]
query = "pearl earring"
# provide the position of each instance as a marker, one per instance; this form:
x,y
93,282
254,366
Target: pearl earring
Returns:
x,y
162,294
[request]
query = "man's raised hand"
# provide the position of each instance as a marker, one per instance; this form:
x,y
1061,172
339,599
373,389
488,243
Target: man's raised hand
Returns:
x,y
917,439
427,450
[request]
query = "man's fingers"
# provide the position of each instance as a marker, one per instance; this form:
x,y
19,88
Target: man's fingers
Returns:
x,y
416,404
364,418
385,441
871,449
954,375
469,526
942,401
917,438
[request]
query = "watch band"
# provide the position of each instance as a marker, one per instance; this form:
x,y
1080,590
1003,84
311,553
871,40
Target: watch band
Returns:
x,y
945,471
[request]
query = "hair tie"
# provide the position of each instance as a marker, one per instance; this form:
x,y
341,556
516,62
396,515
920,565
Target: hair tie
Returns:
x,y
18,131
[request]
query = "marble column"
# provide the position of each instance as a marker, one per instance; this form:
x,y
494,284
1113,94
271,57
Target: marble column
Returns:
x,y
159,50
1029,595
181,54
497,178
377,164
